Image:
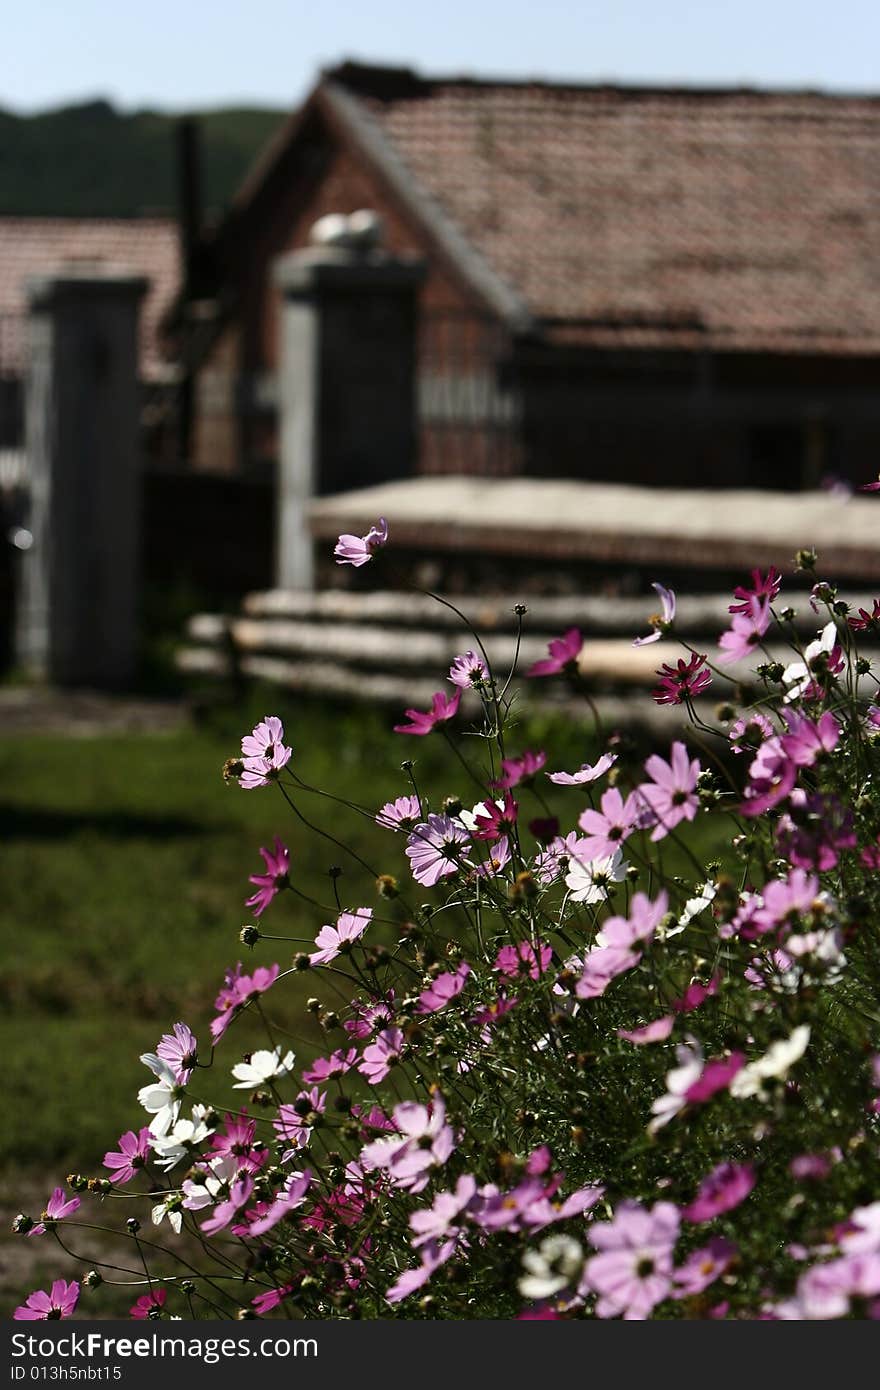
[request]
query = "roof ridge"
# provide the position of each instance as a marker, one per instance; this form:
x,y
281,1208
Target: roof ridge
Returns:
x,y
397,81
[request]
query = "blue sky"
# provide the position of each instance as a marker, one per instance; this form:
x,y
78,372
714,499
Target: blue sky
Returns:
x,y
175,54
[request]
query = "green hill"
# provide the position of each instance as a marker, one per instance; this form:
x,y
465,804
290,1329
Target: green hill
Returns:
x,y
93,161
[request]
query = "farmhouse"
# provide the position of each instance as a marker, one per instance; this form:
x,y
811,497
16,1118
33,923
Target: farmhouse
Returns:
x,y
654,286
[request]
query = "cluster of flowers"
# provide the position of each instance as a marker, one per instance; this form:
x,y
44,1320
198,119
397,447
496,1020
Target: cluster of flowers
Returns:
x,y
601,1072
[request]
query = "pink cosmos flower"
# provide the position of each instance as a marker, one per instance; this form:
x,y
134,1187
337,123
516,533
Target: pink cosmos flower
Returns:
x,y
434,1254
747,628
814,1167
721,1190
815,832
492,822
148,1304
380,1056
772,777
825,1291
435,849
261,1218
468,670
749,732
671,794
178,1049
441,1219
443,990
368,1017
337,1064
605,830
133,1152
695,995
521,769
264,753
225,1212
644,917
57,1207
276,877
521,960
266,1302
236,991
294,1123
633,1271
357,550
563,655
333,941
602,964
402,814
689,1068
60,1302
657,1031
681,682
558,855
703,1267
423,1141
662,621
806,741
443,707
585,773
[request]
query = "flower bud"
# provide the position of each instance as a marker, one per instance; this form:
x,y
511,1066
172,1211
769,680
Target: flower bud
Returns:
x,y
77,1182
232,770
22,1224
452,806
132,1225
806,560
249,935
313,1005
94,1279
301,961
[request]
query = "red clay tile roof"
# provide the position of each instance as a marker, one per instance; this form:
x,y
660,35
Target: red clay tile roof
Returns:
x,y
39,245
737,220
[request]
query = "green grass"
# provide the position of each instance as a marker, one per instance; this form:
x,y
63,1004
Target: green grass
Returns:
x,y
125,871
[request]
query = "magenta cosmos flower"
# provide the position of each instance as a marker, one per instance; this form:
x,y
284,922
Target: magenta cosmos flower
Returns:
x,y
149,1304
563,655
57,1207
435,849
443,707
662,621
633,1271
131,1157
276,877
721,1190
332,941
681,682
493,822
236,991
763,586
357,550
671,794
60,1302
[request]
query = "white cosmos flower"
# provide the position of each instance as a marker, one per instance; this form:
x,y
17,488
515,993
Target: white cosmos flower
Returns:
x,y
692,908
555,1264
170,1209
162,1097
689,1056
212,1181
798,675
469,818
182,1139
589,883
261,1067
776,1063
